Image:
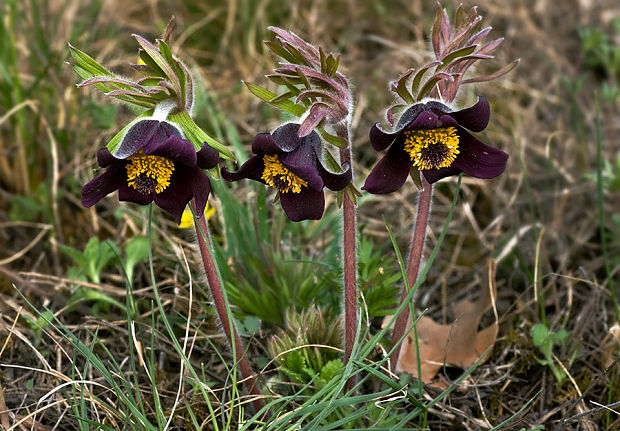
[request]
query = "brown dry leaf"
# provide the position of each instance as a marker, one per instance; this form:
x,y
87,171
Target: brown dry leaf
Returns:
x,y
459,344
609,345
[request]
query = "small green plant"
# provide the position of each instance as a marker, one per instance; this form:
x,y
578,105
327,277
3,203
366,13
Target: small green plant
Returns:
x,y
308,357
265,277
32,207
379,282
602,55
546,340
304,367
296,368
37,324
610,173
297,350
90,262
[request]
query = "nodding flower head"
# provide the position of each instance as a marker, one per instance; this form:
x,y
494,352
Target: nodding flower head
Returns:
x,y
292,165
432,138
154,164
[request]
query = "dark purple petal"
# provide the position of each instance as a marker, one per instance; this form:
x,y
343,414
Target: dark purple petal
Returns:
x,y
437,107
263,143
391,172
143,133
207,157
424,121
105,158
434,175
474,118
477,159
166,130
103,185
180,191
409,116
302,162
136,138
335,181
173,148
129,194
201,187
286,137
314,141
307,205
379,139
252,169
446,121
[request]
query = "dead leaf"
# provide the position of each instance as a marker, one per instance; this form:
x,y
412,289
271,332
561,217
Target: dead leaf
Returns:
x,y
609,345
459,344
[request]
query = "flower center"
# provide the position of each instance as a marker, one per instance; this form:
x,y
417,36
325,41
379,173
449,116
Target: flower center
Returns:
x,y
432,148
279,176
149,174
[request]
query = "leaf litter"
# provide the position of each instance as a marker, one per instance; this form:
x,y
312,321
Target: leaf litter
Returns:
x,y
459,343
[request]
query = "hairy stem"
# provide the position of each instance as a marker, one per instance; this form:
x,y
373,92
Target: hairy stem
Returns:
x,y
350,264
223,312
415,258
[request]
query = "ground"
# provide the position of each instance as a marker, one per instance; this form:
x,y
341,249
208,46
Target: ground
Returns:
x,y
548,222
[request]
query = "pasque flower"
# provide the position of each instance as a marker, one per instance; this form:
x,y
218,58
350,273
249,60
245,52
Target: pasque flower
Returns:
x,y
154,163
432,138
293,165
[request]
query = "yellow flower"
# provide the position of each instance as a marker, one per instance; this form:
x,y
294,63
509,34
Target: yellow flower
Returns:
x,y
187,219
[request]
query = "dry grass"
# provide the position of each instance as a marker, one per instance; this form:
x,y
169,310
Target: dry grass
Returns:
x,y
540,216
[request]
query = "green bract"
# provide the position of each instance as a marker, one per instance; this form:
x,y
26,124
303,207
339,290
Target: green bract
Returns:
x,y
166,81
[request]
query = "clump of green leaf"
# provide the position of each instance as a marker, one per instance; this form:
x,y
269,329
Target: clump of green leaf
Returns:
x,y
379,282
31,207
307,350
610,182
610,173
546,340
602,55
37,324
90,263
263,261
308,357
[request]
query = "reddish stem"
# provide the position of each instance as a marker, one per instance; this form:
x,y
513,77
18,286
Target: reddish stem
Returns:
x,y
222,311
350,281
350,265
413,268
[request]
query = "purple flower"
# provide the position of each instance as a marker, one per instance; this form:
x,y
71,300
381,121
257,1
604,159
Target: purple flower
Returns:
x,y
154,163
432,138
292,165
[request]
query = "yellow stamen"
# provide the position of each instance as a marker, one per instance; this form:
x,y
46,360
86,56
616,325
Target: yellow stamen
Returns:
x,y
432,148
149,174
279,176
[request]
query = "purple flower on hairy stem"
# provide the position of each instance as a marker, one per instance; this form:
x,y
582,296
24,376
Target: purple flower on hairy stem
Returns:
x,y
432,138
294,166
154,163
